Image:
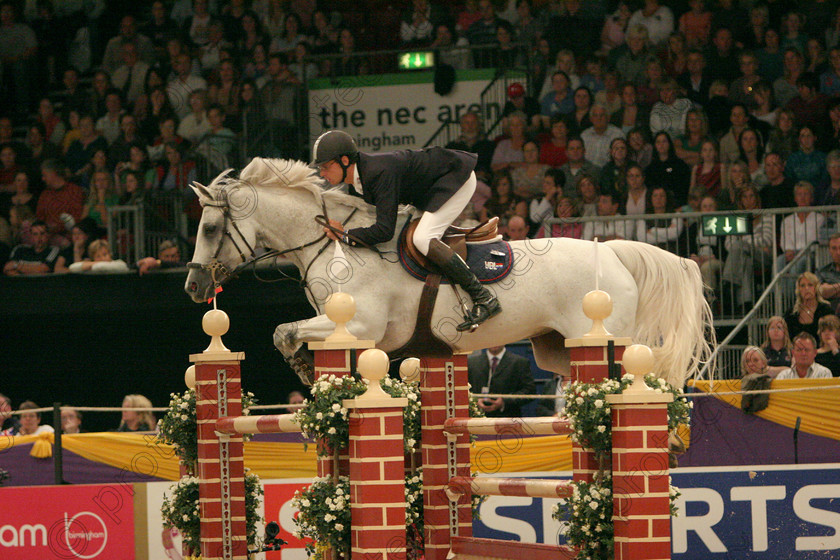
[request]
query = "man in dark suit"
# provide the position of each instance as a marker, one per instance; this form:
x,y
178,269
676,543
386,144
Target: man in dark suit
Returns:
x,y
437,181
498,371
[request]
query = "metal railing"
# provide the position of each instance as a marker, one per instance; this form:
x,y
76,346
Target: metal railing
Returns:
x,y
137,231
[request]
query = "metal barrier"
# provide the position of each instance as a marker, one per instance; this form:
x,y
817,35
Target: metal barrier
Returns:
x,y
126,232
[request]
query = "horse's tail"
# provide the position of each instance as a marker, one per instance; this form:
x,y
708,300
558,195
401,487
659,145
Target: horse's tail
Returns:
x,y
672,316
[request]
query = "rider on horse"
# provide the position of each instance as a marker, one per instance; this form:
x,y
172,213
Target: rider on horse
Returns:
x,y
437,181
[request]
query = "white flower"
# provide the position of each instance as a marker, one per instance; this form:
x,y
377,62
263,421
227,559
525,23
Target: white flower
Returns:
x,y
184,417
592,391
599,403
319,416
331,431
339,527
336,407
579,400
593,504
305,503
343,411
602,428
329,517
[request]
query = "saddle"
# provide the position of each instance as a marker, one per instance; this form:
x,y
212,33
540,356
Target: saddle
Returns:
x,y
456,237
423,341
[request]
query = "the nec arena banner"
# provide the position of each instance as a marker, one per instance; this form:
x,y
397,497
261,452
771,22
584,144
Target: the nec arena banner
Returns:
x,y
726,513
395,111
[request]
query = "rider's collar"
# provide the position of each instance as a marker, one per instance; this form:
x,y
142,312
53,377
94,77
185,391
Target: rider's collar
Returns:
x,y
357,181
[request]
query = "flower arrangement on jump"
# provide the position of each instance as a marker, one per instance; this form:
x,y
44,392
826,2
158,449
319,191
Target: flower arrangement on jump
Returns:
x,y
586,518
180,507
325,506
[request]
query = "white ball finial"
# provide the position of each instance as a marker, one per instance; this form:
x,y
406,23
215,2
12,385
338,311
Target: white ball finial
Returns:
x,y
597,305
189,377
638,360
410,370
340,309
373,365
216,323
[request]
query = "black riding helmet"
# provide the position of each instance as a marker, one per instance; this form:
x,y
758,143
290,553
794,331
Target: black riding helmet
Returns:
x,y
333,144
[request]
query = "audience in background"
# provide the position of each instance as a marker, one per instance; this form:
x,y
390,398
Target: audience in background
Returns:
x,y
137,421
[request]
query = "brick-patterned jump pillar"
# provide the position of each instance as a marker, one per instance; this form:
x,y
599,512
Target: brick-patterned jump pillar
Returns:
x,y
589,364
444,393
641,502
333,356
377,466
221,470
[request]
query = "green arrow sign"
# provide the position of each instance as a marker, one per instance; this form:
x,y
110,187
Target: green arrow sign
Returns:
x,y
416,60
728,224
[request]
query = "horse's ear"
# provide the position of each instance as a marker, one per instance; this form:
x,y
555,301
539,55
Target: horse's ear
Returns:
x,y
201,192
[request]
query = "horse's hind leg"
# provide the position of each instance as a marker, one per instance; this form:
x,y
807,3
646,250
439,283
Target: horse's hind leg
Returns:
x,y
550,352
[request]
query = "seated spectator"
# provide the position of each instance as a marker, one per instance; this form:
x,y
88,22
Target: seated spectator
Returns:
x,y
182,84
157,151
78,155
23,193
109,123
615,26
293,34
130,76
295,397
648,92
558,101
508,153
542,209
828,194
194,126
54,129
9,422
708,172
657,19
718,108
810,106
662,232
635,200
499,371
640,150
21,217
168,256
784,138
695,81
8,169
799,230
804,365
450,48
211,53
83,234
565,209
741,90
556,388
667,170
807,163
220,141
613,174
763,104
502,202
303,69
128,34
829,275
730,152
792,36
71,420
472,139
516,229
60,204
608,230
518,100
138,162
102,195
507,55
133,421
808,308
632,62
721,55
777,345
688,145
816,59
751,148
159,110
778,190
578,119
120,148
828,353
586,195
553,148
132,188
748,254
830,79
30,422
177,173
39,148
99,260
598,138
786,88
610,95
753,362
576,164
528,177
631,114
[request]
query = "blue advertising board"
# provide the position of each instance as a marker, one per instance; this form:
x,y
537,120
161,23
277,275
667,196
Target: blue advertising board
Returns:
x,y
726,513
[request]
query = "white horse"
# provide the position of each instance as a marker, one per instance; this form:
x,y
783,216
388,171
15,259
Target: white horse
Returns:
x,y
657,296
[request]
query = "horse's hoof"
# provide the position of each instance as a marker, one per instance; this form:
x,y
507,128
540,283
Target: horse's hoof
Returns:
x,y
303,364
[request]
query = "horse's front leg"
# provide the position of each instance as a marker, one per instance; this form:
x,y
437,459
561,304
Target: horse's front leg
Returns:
x,y
289,339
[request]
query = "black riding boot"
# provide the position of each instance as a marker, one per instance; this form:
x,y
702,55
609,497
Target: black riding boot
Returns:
x,y
485,304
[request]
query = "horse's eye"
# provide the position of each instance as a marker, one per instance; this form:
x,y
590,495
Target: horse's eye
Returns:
x,y
209,229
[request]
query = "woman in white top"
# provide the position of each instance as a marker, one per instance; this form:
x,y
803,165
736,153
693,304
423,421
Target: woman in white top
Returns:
x,y
635,201
30,422
662,232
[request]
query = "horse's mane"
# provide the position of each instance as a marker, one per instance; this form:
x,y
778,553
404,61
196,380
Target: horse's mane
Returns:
x,y
286,173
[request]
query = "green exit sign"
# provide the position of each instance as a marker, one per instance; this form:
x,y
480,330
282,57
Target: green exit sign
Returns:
x,y
416,60
729,224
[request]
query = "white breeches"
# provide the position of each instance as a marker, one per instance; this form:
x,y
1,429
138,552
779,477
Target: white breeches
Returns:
x,y
433,224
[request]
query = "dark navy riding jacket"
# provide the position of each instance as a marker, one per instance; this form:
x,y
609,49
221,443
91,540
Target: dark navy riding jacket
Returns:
x,y
426,179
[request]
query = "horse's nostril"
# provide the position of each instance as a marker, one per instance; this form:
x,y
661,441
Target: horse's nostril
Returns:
x,y
193,287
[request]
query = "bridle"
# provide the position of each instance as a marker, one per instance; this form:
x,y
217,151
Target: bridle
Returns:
x,y
220,273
